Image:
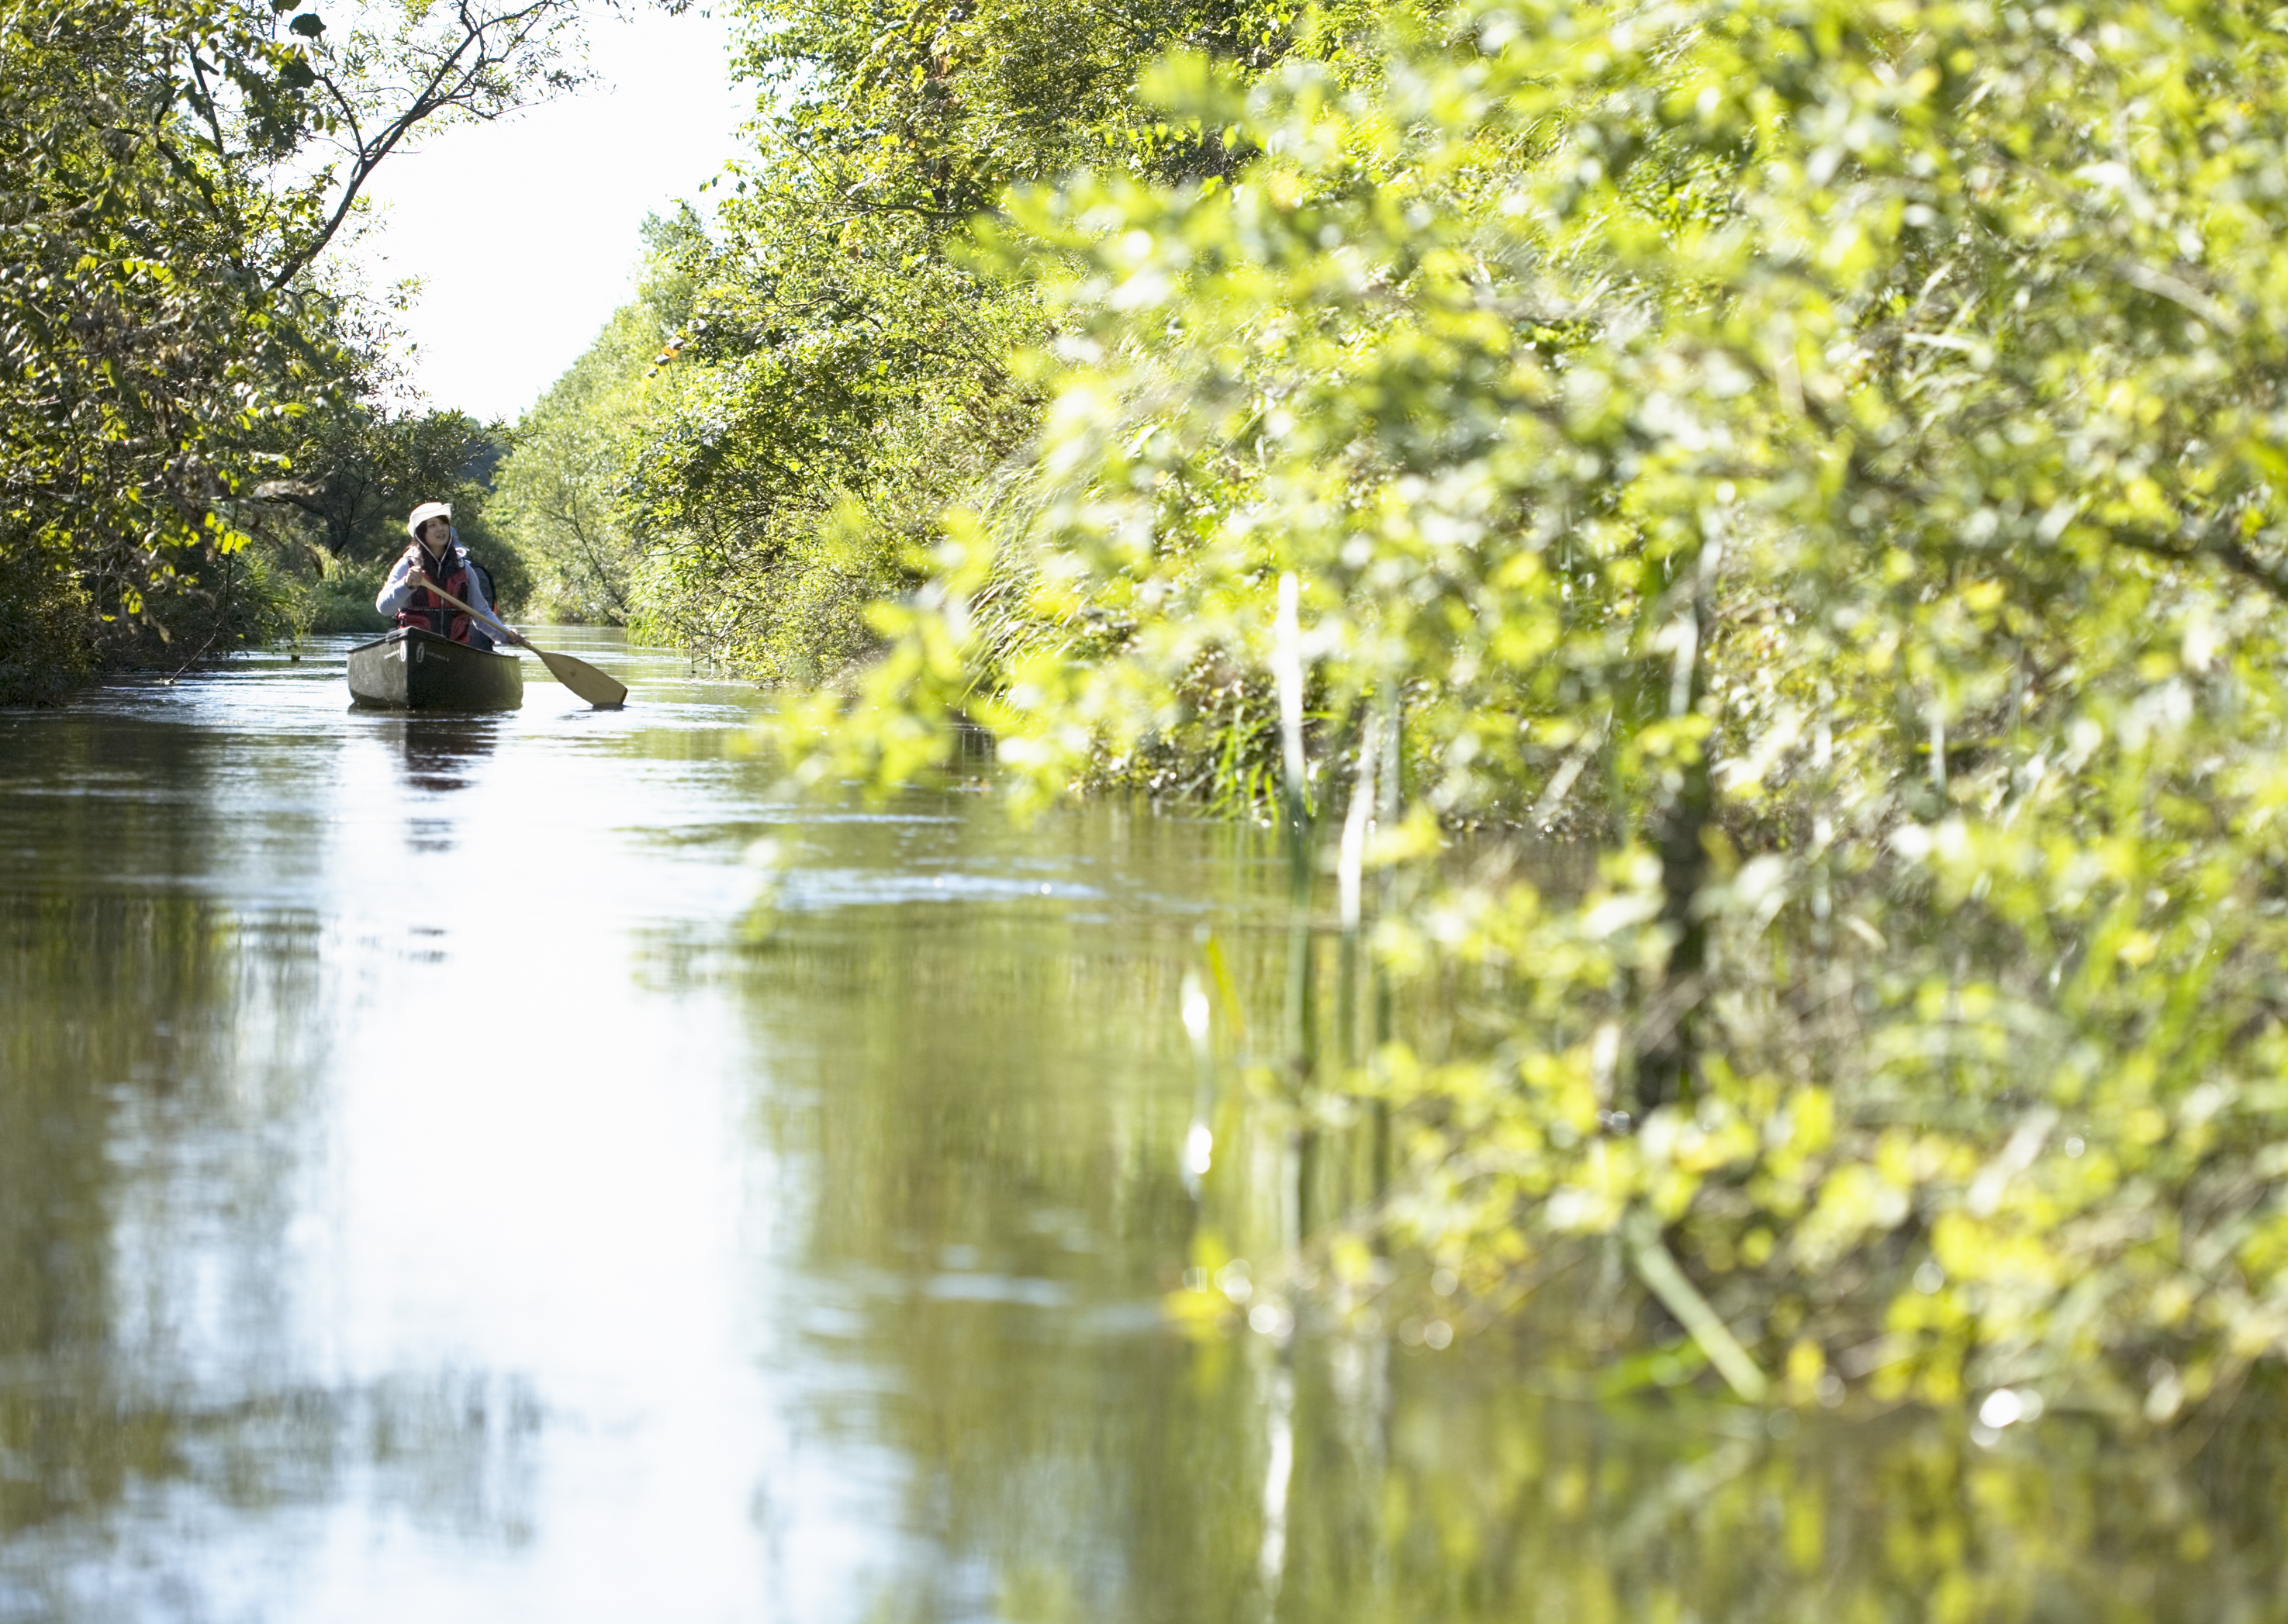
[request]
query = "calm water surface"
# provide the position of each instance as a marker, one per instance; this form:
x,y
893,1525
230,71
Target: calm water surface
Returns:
x,y
540,1168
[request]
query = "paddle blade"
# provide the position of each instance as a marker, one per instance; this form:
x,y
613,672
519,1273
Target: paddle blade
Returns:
x,y
604,692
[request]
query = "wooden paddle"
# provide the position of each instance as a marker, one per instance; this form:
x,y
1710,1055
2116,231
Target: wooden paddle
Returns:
x,y
604,692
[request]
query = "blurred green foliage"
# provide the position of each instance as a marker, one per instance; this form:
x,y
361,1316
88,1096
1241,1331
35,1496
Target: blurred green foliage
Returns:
x,y
1823,456
994,1103
1823,459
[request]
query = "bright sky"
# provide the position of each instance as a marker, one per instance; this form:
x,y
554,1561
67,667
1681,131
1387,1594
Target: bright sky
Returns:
x,y
525,232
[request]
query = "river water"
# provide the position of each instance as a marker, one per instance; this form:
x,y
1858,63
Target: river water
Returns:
x,y
546,1168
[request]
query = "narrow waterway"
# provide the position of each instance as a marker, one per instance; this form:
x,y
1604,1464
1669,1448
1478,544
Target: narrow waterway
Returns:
x,y
545,1168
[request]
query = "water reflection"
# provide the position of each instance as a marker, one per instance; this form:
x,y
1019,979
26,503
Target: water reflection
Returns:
x,y
515,1202
994,1115
442,751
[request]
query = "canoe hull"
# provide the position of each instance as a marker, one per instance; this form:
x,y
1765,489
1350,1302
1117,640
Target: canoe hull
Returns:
x,y
411,669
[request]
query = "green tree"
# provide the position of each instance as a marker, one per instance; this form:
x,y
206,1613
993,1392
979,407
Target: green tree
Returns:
x,y
332,531
1827,454
560,495
842,372
362,470
563,490
163,205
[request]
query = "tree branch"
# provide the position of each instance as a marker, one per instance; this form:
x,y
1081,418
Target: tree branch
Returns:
x,y
2227,550
454,82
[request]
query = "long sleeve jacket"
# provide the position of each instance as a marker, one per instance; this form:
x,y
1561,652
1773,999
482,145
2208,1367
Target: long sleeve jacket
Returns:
x,y
396,594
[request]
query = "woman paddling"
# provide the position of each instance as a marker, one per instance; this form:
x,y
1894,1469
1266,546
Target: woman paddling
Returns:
x,y
437,556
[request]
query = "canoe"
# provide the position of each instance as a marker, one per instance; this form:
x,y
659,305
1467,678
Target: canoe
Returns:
x,y
412,669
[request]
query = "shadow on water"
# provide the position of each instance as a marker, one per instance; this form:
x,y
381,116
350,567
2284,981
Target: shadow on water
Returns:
x,y
441,750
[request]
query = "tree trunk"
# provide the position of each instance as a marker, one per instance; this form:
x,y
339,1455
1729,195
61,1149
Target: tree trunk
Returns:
x,y
1667,1000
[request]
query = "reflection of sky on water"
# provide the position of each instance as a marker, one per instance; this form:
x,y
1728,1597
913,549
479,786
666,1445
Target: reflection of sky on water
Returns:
x,y
536,1167
439,1260
851,888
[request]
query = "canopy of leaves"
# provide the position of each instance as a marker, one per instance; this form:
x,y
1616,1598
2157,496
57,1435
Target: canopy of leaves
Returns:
x,y
164,194
835,370
1823,458
1827,454
564,488
361,471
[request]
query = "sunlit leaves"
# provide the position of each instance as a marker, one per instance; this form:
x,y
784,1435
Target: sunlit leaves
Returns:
x,y
1830,455
162,199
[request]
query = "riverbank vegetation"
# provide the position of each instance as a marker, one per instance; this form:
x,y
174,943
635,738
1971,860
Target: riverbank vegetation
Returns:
x,y
337,528
1821,461
176,370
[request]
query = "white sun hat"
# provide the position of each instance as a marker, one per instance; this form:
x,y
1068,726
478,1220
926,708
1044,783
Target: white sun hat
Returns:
x,y
426,511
